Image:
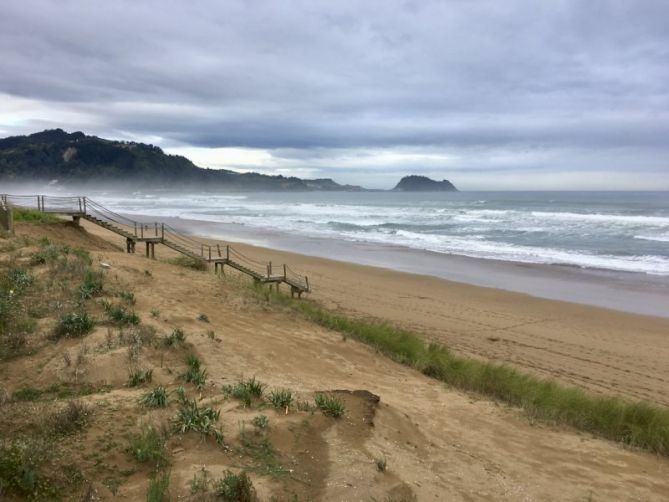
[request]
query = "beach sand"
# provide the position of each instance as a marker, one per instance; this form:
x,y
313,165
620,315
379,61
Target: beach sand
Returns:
x,y
440,444
602,350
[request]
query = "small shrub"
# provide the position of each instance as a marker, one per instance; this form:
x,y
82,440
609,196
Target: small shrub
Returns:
x,y
260,421
156,398
281,399
74,324
139,377
70,419
200,483
330,405
381,463
203,318
149,446
20,461
211,335
194,374
159,488
235,487
155,313
245,390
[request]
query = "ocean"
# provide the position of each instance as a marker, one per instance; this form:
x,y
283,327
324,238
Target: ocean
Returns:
x,y
617,231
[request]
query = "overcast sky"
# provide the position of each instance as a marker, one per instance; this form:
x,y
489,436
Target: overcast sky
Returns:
x,y
553,94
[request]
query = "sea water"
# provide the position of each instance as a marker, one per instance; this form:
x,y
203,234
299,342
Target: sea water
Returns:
x,y
619,231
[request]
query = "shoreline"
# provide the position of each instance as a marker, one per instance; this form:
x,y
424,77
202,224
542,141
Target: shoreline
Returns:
x,y
620,291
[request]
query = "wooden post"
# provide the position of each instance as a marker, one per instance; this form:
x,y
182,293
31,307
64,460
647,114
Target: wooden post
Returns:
x,y
142,229
162,231
227,252
218,248
80,206
307,281
85,210
269,270
284,271
209,253
135,228
155,224
147,248
39,203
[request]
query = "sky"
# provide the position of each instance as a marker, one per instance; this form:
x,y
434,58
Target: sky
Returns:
x,y
525,95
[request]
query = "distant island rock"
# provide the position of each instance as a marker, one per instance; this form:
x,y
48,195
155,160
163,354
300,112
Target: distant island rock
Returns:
x,y
56,156
415,183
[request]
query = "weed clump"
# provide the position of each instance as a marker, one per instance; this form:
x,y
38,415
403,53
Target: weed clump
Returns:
x,y
260,421
281,399
139,377
156,398
235,487
121,316
330,405
70,419
159,488
149,446
177,336
190,417
92,285
194,374
74,325
245,390
187,262
20,461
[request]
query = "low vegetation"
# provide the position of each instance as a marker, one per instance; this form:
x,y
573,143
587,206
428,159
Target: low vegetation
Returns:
x,y
194,374
148,446
330,405
73,417
156,398
120,315
191,418
235,487
281,398
176,337
159,488
74,325
138,377
187,262
35,217
245,390
636,424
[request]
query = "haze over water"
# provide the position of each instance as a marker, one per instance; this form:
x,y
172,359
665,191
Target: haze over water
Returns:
x,y
621,231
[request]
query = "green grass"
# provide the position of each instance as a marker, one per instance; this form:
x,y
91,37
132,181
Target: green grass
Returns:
x,y
128,297
34,216
194,374
20,462
148,446
235,487
245,390
27,394
330,405
156,398
92,285
139,377
159,488
121,316
281,398
187,262
74,325
260,421
638,424
72,418
191,418
177,336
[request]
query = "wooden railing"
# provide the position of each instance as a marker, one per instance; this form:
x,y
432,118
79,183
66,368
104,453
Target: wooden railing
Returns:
x,y
159,233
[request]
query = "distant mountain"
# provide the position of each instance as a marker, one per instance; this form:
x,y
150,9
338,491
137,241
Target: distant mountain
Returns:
x,y
415,183
75,158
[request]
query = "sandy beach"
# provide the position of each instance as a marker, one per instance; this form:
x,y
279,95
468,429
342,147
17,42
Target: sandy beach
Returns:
x,y
602,350
439,443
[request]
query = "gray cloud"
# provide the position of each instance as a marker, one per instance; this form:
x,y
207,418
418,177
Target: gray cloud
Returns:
x,y
575,80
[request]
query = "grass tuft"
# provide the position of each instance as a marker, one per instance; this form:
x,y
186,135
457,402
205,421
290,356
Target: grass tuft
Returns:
x,y
70,419
330,405
245,390
159,488
121,316
235,488
156,398
260,421
35,217
281,399
177,336
190,417
139,377
74,325
148,446
194,374
187,262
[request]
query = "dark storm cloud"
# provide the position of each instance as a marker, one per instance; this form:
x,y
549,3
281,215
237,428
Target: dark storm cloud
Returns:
x,y
339,75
